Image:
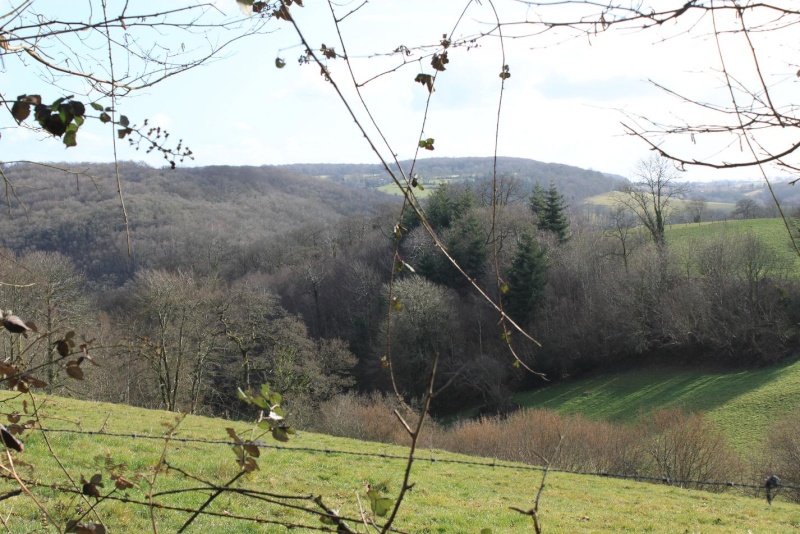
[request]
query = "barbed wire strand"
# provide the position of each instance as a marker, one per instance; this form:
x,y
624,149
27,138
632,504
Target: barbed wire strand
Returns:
x,y
432,460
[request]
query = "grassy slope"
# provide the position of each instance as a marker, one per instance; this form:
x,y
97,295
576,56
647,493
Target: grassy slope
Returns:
x,y
772,231
744,404
446,498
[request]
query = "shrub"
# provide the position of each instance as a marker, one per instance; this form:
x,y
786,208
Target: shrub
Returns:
x,y
365,417
783,444
685,448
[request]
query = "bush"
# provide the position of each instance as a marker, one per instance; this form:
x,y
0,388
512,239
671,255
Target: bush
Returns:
x,y
681,449
365,417
685,448
783,444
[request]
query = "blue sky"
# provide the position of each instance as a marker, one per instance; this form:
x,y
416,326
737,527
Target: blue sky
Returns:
x,y
563,103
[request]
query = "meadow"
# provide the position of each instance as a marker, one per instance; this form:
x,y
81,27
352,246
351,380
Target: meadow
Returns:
x,y
452,493
743,404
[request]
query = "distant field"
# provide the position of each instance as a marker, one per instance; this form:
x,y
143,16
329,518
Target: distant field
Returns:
x,y
609,199
744,404
392,189
772,231
446,498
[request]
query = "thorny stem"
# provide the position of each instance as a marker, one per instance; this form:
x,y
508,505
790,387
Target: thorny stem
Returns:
x,y
534,512
426,405
113,133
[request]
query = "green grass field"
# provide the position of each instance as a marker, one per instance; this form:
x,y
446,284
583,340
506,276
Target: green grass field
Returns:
x,y
684,237
446,497
743,404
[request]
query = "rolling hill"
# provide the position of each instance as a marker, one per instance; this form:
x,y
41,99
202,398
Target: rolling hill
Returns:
x,y
451,493
573,182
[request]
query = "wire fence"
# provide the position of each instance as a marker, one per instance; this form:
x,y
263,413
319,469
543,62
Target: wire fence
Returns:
x,y
424,455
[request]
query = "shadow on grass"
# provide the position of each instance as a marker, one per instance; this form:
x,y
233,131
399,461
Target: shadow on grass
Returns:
x,y
622,397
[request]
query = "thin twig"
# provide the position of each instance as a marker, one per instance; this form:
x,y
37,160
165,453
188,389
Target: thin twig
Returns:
x,y
426,405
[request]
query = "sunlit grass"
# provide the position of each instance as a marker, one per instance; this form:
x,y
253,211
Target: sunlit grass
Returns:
x,y
744,404
446,497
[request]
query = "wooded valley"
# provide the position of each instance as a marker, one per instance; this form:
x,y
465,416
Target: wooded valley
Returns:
x,y
242,275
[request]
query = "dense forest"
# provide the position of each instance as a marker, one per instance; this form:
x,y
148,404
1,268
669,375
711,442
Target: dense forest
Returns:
x,y
240,275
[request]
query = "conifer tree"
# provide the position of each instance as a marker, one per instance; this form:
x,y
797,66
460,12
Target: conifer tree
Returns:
x,y
555,217
527,278
537,203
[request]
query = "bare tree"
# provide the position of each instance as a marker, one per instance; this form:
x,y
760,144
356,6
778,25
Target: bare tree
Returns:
x,y
697,209
747,208
622,229
652,196
505,191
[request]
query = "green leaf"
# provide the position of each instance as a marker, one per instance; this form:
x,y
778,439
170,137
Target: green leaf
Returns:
x,y
55,105
280,63
504,289
96,106
422,144
71,134
105,117
261,402
265,424
273,397
380,505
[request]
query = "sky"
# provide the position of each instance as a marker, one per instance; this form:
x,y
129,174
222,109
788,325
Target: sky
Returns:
x,y
565,101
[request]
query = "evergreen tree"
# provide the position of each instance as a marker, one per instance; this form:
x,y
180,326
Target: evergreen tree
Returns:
x,y
448,204
555,217
527,278
466,242
537,203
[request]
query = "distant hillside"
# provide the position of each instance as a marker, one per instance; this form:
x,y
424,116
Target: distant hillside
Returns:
x,y
573,182
188,211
